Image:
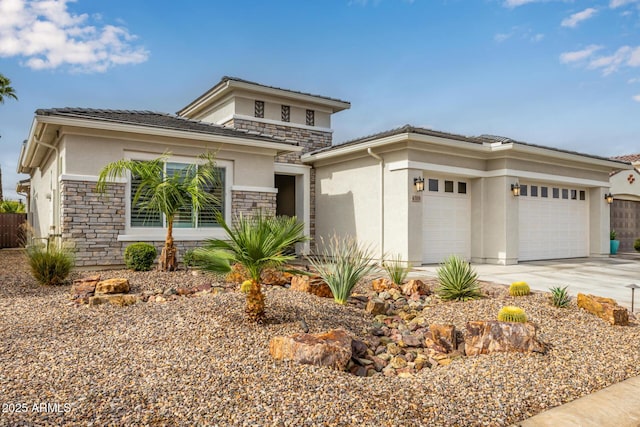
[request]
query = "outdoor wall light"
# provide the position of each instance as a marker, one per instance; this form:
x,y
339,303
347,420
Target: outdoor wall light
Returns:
x,y
515,189
609,198
418,183
633,287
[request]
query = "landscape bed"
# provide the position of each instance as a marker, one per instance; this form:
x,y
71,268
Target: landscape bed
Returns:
x,y
198,361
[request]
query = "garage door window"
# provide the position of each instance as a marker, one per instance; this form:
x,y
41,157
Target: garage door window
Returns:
x,y
433,184
524,190
582,195
544,192
462,188
534,191
448,186
565,193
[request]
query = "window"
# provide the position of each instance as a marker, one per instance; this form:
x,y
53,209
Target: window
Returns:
x,y
574,195
556,193
544,192
448,186
583,195
285,113
462,188
259,109
534,191
311,118
565,193
433,184
186,217
523,190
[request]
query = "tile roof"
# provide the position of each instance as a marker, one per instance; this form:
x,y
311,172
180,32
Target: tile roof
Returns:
x,y
482,139
628,158
159,120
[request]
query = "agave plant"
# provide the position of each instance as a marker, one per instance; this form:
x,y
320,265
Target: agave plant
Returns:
x,y
256,242
457,280
342,263
396,270
559,296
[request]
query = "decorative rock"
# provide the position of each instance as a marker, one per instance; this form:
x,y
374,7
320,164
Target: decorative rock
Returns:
x,y
382,284
331,349
112,286
494,336
84,288
415,287
444,335
376,306
312,285
605,308
185,291
398,362
378,363
358,348
411,340
121,300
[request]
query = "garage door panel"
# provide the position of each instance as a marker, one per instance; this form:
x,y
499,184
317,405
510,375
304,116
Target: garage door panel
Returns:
x,y
553,227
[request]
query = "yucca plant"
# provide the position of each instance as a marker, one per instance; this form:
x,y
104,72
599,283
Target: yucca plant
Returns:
x,y
342,263
510,313
559,296
517,289
396,270
457,280
256,243
49,265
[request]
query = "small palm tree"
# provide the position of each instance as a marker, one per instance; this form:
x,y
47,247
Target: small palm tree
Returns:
x,y
6,91
256,243
167,194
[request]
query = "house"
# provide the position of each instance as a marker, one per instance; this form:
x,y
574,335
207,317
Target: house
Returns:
x,y
274,152
625,209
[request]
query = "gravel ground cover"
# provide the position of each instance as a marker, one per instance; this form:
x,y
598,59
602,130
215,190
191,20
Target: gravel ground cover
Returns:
x,y
196,361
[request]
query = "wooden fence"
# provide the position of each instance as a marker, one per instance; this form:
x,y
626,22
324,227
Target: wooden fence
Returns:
x,y
10,230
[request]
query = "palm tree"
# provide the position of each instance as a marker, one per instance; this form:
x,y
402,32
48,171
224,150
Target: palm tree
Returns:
x,y
256,242
169,194
6,91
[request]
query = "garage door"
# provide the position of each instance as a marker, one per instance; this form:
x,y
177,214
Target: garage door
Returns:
x,y
553,222
446,219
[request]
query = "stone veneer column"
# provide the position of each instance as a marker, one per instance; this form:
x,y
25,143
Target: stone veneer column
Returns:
x,y
246,203
309,139
91,222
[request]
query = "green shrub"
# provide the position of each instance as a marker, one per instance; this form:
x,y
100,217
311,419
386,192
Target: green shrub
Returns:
x,y
341,264
457,280
49,266
396,270
518,289
559,296
613,235
636,245
510,313
190,258
140,256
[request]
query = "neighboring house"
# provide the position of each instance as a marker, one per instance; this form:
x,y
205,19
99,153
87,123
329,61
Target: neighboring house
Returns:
x,y
625,210
274,150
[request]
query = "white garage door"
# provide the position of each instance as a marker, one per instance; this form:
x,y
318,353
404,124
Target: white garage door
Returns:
x,y
446,219
553,221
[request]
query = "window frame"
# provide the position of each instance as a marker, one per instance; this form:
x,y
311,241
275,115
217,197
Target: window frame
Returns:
x,y
132,233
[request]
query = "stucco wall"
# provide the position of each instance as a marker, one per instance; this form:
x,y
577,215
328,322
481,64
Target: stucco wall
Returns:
x,y
272,110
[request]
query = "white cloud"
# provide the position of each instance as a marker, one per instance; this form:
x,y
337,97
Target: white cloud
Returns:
x,y
516,3
500,37
611,63
537,38
579,55
47,35
578,17
633,80
614,4
636,98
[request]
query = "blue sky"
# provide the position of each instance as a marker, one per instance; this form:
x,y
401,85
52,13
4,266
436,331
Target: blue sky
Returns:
x,y
558,73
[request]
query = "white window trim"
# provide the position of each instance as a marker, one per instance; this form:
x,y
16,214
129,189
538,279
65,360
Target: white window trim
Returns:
x,y
188,234
303,196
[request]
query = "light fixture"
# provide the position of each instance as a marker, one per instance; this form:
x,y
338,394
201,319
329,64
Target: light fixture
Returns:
x,y
609,198
515,189
633,287
418,183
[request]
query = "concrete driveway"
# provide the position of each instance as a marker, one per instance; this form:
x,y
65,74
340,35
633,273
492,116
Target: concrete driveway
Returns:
x,y
598,276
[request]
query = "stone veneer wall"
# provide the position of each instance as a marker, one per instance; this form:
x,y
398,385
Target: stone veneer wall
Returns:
x,y
310,140
249,202
91,222
625,219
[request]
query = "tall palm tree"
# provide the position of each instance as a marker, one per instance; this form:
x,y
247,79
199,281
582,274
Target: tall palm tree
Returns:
x,y
169,194
256,242
6,91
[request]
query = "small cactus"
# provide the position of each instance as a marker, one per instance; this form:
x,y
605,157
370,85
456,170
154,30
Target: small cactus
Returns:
x,y
246,285
518,289
510,313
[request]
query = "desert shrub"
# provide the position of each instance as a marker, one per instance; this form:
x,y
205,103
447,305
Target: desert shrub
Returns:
x,y
191,258
49,265
636,245
519,289
396,270
510,313
342,263
140,256
559,296
457,280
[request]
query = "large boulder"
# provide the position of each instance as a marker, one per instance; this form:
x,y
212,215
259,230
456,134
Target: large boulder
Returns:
x,y
443,336
413,287
331,349
121,300
83,289
605,308
112,286
312,285
494,336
